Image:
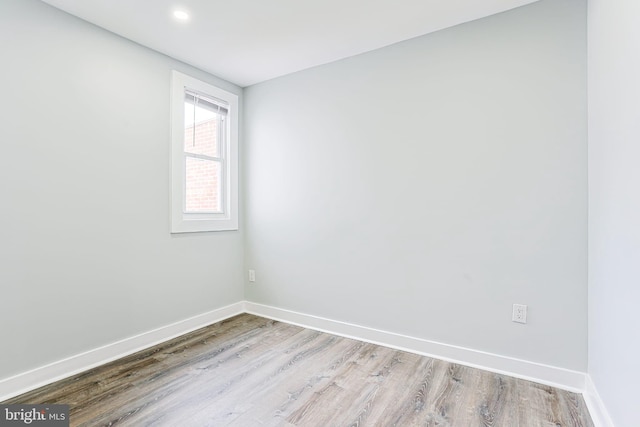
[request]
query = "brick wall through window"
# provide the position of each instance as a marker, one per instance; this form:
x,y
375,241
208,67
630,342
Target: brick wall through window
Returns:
x,y
203,177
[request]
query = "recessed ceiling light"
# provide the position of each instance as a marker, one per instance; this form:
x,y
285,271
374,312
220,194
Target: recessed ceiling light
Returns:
x,y
181,15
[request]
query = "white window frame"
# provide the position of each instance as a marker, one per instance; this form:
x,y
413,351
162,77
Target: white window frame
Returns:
x,y
182,222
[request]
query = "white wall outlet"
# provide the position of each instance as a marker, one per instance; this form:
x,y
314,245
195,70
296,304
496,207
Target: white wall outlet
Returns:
x,y
252,275
519,313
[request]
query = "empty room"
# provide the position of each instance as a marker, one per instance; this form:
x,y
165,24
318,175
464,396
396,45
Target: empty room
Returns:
x,y
305,213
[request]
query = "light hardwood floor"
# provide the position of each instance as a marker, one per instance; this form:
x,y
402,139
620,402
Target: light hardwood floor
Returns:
x,y
251,371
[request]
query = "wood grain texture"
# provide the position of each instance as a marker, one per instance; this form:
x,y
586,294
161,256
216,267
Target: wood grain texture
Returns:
x,y
250,371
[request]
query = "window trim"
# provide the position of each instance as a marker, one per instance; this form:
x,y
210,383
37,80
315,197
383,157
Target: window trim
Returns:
x,y
182,222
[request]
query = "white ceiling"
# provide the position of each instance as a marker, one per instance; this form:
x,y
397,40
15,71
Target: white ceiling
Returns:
x,y
249,41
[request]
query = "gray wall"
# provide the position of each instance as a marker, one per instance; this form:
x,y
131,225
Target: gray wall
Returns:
x,y
425,187
421,189
614,205
86,255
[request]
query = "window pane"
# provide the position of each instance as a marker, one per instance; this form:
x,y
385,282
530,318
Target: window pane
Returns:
x,y
205,123
203,186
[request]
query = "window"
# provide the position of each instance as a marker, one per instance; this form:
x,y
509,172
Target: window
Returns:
x,y
204,156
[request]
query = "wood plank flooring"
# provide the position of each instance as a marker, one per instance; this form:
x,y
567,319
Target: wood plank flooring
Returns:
x,y
251,371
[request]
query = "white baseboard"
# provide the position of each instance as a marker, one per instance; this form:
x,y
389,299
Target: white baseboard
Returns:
x,y
598,411
550,375
545,374
26,381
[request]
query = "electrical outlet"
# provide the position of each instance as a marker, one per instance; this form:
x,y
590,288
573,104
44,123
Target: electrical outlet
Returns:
x,y
519,313
252,275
